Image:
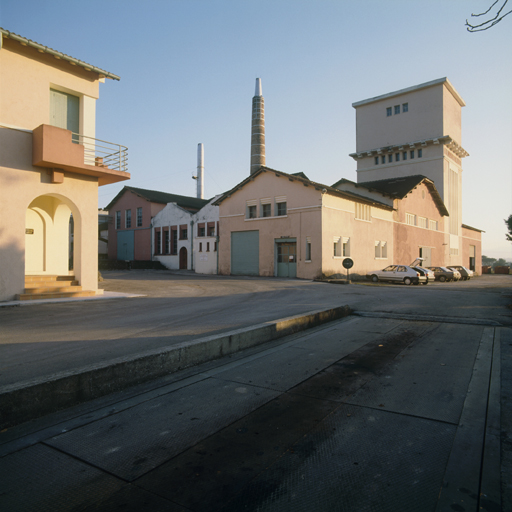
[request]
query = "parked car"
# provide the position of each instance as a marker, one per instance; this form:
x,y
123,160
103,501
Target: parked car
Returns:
x,y
397,274
465,273
443,274
429,274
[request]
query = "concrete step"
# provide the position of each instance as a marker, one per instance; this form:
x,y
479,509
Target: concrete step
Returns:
x,y
48,277
52,289
54,295
50,284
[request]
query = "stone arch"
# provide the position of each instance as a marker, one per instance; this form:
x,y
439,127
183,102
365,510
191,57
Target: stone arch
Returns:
x,y
47,238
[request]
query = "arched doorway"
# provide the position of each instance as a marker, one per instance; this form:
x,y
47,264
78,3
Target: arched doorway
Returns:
x,y
48,235
183,258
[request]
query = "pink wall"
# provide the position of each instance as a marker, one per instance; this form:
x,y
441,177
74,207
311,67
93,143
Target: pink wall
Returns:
x,y
408,239
469,238
142,236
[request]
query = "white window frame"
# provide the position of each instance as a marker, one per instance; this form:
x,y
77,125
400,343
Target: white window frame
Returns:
x,y
422,222
363,212
410,219
308,249
346,247
337,247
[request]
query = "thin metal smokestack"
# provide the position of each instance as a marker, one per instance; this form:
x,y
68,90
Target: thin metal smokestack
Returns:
x,y
258,129
200,171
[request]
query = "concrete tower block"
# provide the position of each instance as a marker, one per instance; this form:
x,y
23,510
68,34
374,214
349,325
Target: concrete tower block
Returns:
x,y
258,129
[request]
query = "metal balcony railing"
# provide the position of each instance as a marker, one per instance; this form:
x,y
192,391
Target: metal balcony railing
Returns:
x,y
101,153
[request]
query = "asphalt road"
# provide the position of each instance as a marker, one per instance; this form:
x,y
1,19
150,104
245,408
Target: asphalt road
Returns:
x,y
40,340
369,413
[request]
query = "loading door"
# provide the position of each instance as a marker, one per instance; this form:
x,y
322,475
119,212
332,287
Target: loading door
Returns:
x,y
125,245
286,252
245,253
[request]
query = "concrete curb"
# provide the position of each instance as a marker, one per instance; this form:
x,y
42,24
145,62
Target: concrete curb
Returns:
x,y
31,399
429,318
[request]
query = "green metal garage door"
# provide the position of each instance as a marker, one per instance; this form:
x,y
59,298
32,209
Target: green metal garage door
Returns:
x,y
245,248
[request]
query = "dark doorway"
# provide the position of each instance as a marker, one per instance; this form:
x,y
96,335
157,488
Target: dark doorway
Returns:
x,y
183,258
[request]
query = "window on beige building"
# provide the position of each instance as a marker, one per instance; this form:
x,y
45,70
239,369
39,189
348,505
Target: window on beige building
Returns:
x,y
410,219
381,249
363,212
308,248
346,246
433,225
337,247
422,222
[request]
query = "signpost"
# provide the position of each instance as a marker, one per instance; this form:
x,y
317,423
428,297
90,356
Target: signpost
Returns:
x,y
348,263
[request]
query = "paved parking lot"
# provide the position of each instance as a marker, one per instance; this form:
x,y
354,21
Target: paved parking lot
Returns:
x,y
366,413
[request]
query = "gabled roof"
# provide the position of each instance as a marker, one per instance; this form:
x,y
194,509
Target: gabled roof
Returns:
x,y
398,188
306,182
472,229
45,49
155,196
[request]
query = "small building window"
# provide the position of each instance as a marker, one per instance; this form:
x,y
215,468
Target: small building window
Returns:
x,y
251,211
433,225
174,240
281,209
404,155
201,231
422,222
376,160
128,219
207,246
410,219
211,230
383,159
308,248
397,109
266,210
139,217
118,220
200,246
420,153
337,247
166,242
158,241
405,107
363,212
183,233
390,158
215,246
346,247
381,249
397,157
412,154
388,111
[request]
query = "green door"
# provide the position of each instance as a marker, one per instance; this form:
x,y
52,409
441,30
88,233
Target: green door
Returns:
x,y
245,253
65,111
286,258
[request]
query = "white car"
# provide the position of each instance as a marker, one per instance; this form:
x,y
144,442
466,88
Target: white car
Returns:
x,y
397,274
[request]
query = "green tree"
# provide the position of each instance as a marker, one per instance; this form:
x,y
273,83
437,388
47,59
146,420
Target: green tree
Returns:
x,y
508,222
500,263
486,261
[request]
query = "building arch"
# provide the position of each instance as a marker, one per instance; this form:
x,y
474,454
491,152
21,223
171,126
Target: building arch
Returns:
x,y
183,258
48,237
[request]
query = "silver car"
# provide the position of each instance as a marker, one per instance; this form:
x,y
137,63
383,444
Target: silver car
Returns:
x,y
397,274
443,274
465,273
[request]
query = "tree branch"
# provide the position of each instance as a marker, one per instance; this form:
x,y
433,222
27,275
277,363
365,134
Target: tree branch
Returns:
x,y
489,23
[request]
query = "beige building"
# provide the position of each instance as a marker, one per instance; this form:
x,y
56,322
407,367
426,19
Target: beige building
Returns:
x,y
278,224
407,202
417,131
51,166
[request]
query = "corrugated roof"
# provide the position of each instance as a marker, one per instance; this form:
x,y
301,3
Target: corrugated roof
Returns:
x,y
156,196
59,55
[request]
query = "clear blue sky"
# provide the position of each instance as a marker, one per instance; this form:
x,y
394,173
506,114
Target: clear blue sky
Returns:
x,y
188,69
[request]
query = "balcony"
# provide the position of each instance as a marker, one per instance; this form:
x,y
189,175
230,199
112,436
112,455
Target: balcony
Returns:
x,y
62,150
